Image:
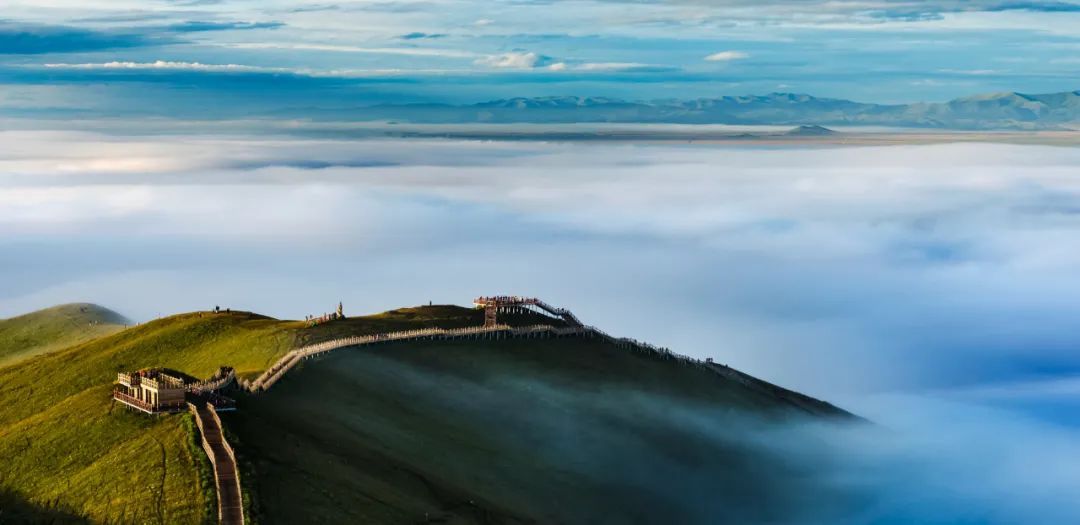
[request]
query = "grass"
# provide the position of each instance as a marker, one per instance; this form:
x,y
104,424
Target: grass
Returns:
x,y
519,431
55,328
15,510
204,467
72,448
67,442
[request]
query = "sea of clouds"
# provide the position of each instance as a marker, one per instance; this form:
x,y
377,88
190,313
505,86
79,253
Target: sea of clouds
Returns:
x,y
930,288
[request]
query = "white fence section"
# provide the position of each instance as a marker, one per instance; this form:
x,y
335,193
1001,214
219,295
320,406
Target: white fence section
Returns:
x,y
278,370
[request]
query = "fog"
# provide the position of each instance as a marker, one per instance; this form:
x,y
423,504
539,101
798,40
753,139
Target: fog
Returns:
x,y
930,288
610,452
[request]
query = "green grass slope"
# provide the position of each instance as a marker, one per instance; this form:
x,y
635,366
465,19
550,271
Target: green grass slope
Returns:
x,y
519,431
55,328
65,445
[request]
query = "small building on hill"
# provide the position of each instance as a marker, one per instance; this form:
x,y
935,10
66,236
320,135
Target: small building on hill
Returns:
x,y
152,390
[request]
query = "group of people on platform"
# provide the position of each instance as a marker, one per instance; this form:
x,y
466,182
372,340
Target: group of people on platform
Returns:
x,y
314,320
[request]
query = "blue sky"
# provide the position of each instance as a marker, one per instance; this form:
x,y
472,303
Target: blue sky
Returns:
x,y
182,56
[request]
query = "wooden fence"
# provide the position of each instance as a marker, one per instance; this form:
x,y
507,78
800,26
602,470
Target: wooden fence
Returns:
x,y
230,511
287,362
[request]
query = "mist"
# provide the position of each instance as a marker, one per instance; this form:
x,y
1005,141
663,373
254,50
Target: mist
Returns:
x,y
837,271
931,289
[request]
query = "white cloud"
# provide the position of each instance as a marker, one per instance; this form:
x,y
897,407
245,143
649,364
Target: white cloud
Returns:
x,y
406,51
483,22
965,246
510,60
727,56
609,66
598,66
163,64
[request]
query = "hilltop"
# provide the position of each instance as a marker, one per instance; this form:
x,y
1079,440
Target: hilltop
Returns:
x,y
54,328
809,131
462,431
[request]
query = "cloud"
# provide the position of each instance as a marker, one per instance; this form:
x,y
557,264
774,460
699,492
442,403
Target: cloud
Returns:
x,y
1044,7
627,67
314,8
513,60
530,60
337,48
198,67
416,35
194,3
726,56
168,65
18,39
192,26
919,267
990,466
483,22
973,72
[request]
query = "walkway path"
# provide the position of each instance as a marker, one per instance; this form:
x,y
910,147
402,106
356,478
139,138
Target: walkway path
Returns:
x,y
294,357
226,476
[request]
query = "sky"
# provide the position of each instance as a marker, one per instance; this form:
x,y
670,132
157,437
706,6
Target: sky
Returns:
x,y
178,58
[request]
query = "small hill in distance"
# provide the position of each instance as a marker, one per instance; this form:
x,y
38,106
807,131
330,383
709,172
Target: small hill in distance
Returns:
x,y
55,328
810,131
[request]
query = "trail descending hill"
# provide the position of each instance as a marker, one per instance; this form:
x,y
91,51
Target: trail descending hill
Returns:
x,y
55,328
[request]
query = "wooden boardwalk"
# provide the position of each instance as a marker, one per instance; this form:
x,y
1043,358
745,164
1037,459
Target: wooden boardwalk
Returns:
x,y
222,457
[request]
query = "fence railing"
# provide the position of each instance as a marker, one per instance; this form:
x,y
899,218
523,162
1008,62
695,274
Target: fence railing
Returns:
x,y
293,357
212,384
214,460
288,361
238,511
134,402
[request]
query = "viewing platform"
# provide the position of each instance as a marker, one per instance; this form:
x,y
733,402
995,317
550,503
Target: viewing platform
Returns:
x,y
163,391
509,304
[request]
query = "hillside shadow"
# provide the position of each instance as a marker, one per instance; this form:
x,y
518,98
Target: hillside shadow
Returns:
x,y
14,509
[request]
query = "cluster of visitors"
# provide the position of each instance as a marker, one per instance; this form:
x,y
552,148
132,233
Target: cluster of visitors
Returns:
x,y
315,320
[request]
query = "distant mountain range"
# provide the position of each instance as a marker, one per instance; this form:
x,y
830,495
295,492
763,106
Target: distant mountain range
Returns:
x,y
1004,111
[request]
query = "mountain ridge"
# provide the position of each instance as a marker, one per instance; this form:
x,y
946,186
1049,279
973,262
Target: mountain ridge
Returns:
x,y
989,111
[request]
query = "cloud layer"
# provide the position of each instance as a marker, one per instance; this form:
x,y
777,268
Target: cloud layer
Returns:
x,y
919,266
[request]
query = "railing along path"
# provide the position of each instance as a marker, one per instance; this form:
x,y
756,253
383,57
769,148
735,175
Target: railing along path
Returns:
x,y
223,459
287,362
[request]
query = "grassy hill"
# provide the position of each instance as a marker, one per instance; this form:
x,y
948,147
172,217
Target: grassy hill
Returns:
x,y
526,431
55,328
67,446
518,431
